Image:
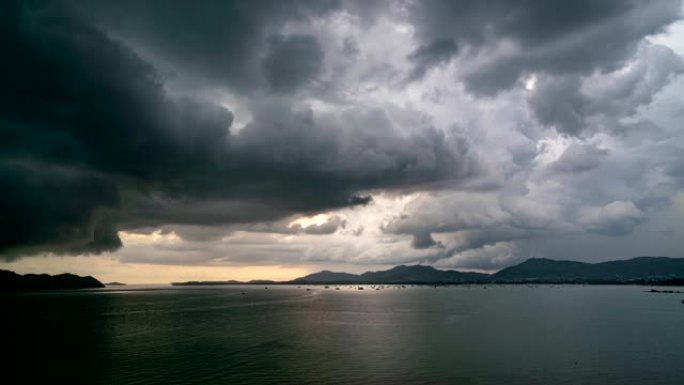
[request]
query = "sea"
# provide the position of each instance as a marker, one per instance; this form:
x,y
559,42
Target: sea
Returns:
x,y
476,334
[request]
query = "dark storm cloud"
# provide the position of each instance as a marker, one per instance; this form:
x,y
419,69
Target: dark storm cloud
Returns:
x,y
91,142
570,37
559,103
424,240
81,116
429,55
675,169
218,41
292,61
289,160
112,118
62,208
568,102
358,148
478,249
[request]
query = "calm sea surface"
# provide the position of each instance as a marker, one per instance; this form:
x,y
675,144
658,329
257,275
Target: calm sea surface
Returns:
x,y
288,335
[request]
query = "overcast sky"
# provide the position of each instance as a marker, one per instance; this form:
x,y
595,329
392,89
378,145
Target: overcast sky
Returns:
x,y
149,141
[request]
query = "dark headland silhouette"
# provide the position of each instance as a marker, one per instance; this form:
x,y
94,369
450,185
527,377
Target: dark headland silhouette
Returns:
x,y
397,274
11,281
640,270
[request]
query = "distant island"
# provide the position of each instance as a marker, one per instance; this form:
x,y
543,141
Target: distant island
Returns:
x,y
415,274
638,271
11,281
115,284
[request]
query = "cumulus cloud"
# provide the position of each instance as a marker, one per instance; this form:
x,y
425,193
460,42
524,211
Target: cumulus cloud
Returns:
x,y
573,103
539,36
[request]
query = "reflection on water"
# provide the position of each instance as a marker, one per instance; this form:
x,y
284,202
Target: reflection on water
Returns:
x,y
288,335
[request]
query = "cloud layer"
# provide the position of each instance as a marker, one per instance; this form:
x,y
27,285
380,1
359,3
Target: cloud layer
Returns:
x,y
459,133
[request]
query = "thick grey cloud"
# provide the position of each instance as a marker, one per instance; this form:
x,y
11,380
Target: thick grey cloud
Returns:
x,y
512,38
292,61
571,103
424,240
358,146
499,125
559,103
62,209
615,218
87,119
555,204
216,41
80,116
431,54
579,158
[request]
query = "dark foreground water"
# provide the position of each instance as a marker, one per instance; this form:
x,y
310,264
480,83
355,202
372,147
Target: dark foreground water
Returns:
x,y
287,335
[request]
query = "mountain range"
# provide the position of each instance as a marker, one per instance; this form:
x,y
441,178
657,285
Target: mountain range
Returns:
x,y
640,270
637,270
397,274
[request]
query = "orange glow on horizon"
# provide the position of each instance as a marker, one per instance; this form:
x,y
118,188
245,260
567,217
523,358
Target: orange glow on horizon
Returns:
x,y
109,269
